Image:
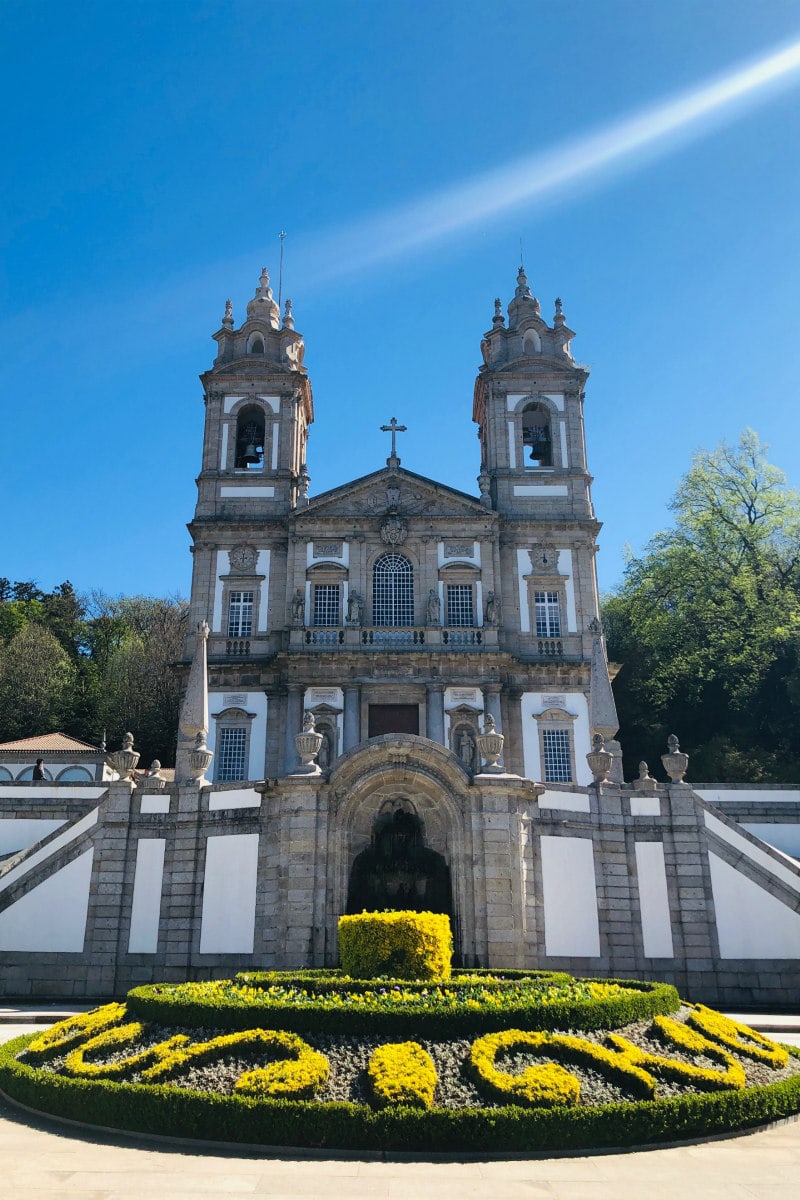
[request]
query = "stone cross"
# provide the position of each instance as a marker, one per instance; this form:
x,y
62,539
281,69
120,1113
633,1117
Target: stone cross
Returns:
x,y
394,429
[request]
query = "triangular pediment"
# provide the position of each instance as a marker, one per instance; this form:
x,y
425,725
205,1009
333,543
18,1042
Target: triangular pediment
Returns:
x,y
394,491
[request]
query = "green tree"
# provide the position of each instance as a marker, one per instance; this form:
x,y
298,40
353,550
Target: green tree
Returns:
x,y
707,622
36,677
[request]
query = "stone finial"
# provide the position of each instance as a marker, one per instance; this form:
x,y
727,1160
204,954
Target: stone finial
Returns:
x,y
522,288
498,320
193,719
488,723
645,781
153,780
263,306
227,320
309,722
602,709
675,762
599,759
288,315
559,307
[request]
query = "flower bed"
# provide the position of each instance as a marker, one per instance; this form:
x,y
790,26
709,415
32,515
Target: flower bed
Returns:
x,y
466,1003
648,1078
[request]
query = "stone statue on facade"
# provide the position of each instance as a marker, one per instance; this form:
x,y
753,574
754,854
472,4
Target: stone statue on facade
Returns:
x,y
298,607
492,615
355,608
434,607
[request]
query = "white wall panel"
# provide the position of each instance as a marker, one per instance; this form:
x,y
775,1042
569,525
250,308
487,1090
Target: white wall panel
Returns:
x,y
147,886
51,917
785,838
565,568
651,873
229,894
571,925
751,923
21,833
262,568
222,566
523,569
235,798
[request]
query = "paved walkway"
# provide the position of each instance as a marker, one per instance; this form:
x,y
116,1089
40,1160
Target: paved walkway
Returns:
x,y
41,1161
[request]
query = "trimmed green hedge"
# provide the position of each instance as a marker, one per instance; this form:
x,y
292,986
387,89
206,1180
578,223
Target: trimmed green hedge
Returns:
x,y
178,1112
321,980
164,1004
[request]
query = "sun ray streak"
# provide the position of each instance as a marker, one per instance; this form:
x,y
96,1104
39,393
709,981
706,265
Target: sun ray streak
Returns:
x,y
455,209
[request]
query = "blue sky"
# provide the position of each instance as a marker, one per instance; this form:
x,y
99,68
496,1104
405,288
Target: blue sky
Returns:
x,y
157,149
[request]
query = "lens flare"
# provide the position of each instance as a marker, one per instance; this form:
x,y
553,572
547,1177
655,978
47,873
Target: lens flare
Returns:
x,y
455,209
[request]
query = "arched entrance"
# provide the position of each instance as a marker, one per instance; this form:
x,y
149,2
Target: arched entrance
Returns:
x,y
397,870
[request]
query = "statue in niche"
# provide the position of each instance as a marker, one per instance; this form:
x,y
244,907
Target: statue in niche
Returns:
x,y
298,607
325,753
434,607
492,616
466,746
355,608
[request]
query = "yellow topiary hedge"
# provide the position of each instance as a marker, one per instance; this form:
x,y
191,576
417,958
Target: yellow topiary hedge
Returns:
x,y
402,1073
397,945
741,1038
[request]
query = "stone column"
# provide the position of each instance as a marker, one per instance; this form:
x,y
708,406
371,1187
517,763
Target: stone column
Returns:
x,y
352,716
491,699
294,724
436,713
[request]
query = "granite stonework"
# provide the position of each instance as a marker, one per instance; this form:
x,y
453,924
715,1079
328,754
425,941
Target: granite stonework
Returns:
x,y
397,693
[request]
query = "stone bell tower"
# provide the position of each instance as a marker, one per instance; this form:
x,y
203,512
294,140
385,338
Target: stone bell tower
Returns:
x,y
529,407
258,407
258,410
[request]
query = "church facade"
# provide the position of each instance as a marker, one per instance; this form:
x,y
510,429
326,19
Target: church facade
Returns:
x,y
397,696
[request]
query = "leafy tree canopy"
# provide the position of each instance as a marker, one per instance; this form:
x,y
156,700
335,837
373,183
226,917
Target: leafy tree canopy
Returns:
x,y
90,664
707,623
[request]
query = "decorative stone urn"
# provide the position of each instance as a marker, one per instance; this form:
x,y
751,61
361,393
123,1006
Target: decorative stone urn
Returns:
x,y
200,758
675,761
308,745
599,760
490,747
124,761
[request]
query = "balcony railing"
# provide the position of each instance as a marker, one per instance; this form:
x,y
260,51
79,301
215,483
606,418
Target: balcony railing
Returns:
x,y
550,648
373,637
328,638
237,647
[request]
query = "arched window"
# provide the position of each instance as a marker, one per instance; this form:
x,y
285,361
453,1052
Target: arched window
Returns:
x,y
5,775
75,775
256,344
536,435
392,591
250,439
27,774
531,343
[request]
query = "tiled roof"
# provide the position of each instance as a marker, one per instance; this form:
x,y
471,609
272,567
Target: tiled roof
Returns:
x,y
48,742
